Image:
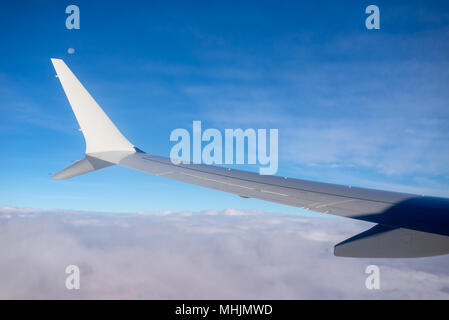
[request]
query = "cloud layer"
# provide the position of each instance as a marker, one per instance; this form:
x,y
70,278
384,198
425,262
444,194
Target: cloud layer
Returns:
x,y
229,254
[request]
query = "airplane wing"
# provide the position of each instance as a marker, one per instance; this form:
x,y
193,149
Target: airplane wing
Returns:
x,y
409,225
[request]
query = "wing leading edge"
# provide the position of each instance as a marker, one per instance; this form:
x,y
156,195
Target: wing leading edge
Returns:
x,y
424,219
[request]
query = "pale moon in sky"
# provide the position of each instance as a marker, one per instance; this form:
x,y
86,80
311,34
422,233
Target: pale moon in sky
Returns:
x,y
71,50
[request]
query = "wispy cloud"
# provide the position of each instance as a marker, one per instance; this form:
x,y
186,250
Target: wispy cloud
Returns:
x,y
384,112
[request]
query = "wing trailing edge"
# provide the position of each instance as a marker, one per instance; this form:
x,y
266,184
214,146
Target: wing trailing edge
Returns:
x,y
389,242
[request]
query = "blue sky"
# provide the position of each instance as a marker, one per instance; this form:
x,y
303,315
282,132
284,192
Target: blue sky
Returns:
x,y
353,106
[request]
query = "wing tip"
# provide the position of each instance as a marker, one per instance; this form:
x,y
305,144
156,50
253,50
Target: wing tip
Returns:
x,y
55,61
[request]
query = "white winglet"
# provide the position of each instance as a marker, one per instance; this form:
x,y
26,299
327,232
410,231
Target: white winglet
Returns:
x,y
100,134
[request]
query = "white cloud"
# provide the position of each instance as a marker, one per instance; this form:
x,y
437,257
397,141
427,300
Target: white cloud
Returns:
x,y
188,255
320,236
